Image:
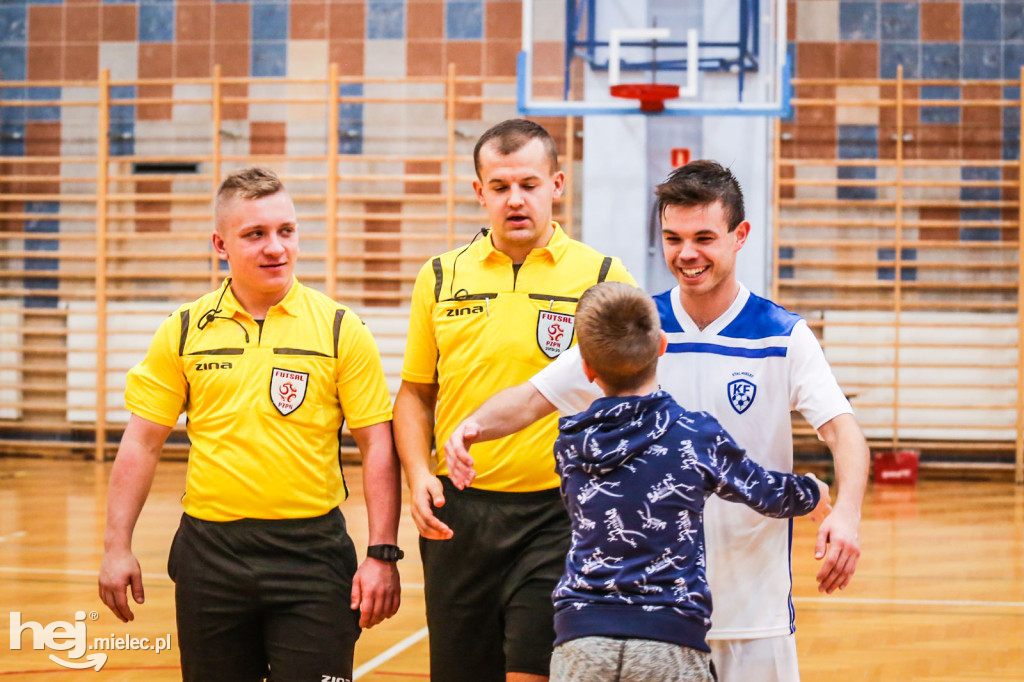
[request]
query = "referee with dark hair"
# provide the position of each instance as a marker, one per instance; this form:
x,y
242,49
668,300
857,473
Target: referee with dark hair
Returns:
x,y
266,577
485,317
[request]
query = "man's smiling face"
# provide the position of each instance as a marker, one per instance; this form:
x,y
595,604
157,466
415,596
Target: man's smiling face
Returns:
x,y
700,251
259,238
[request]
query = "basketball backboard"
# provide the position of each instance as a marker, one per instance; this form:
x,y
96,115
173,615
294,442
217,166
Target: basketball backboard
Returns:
x,y
593,57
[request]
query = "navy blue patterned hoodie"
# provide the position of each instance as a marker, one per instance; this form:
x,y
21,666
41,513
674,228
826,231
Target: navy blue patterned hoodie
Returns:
x,y
635,473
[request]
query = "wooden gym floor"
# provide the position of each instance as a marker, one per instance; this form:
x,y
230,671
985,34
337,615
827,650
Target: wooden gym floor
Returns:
x,y
939,593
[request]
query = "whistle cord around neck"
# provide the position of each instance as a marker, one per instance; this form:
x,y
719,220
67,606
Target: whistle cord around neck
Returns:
x,y
451,285
211,315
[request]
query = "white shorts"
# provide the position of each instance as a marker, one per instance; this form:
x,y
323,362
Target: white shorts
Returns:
x,y
772,659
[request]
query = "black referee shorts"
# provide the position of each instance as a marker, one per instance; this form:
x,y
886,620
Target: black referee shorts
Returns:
x,y
488,589
258,598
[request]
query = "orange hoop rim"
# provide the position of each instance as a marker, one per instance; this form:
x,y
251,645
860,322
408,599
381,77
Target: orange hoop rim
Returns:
x,y
652,96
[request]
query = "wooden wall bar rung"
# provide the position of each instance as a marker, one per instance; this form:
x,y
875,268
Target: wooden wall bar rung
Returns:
x,y
131,245
910,272
1009,246
919,265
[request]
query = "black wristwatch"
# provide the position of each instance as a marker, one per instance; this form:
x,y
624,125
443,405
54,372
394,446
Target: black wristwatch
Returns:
x,y
389,553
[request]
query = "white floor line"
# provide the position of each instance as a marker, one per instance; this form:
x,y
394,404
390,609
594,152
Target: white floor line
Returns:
x,y
910,602
389,654
157,576
72,571
12,536
806,600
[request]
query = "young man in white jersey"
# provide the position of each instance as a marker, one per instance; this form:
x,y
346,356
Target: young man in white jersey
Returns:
x,y
748,362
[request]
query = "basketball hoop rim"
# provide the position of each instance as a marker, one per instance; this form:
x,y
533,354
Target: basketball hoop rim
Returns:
x,y
652,96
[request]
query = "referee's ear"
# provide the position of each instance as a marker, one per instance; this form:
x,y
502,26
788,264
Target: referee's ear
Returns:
x,y
218,245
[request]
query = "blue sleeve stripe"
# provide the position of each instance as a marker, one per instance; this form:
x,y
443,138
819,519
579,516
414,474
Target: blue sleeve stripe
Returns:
x,y
760,318
770,352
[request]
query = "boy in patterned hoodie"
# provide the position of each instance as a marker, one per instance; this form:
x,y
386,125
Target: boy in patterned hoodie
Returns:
x,y
635,470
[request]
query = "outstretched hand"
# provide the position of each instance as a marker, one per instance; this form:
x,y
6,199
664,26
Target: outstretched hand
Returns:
x,y
456,454
838,544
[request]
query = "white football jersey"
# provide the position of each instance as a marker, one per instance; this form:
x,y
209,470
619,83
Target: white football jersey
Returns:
x,y
749,368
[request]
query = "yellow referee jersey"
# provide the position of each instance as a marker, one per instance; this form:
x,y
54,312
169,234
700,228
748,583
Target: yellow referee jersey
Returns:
x,y
265,406
477,327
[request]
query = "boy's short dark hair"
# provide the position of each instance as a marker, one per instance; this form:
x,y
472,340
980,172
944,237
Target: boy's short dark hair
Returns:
x,y
702,183
619,334
512,135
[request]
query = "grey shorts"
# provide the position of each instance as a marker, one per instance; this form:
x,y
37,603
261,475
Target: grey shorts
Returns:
x,y
606,659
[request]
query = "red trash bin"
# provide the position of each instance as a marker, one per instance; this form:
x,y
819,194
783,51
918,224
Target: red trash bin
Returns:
x,y
898,466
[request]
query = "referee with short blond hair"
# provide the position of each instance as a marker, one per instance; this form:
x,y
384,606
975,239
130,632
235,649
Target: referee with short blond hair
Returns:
x,y
266,577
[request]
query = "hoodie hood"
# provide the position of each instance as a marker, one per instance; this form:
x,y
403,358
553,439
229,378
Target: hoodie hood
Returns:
x,y
602,435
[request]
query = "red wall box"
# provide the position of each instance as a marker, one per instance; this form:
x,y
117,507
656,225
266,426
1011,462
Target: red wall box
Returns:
x,y
896,467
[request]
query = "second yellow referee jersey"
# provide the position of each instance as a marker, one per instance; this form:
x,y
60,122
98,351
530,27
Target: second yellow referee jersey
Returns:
x,y
479,325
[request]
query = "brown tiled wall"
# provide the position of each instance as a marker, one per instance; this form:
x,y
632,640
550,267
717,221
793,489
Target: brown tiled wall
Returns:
x,y
151,207
940,22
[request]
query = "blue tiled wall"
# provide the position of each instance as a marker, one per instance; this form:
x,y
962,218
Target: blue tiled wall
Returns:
x,y
785,271
907,274
900,21
464,20
962,41
980,194
350,119
12,139
894,54
13,23
269,46
990,42
43,225
1012,21
156,22
270,22
982,21
385,19
858,21
940,60
982,60
46,112
13,41
940,114
857,142
269,58
1011,125
122,121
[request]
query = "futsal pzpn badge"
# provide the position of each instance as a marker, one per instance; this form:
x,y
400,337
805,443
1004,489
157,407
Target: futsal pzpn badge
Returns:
x,y
741,395
554,332
288,389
